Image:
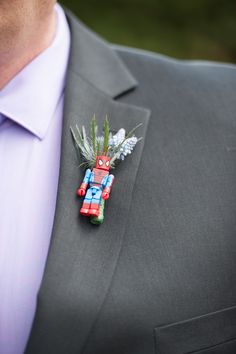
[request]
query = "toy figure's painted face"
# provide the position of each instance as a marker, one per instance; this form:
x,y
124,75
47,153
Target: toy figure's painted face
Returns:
x,y
103,163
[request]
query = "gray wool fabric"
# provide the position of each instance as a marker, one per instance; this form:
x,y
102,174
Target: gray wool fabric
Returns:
x,y
158,277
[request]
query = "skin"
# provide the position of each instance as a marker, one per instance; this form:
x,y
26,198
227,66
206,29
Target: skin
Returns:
x,y
27,27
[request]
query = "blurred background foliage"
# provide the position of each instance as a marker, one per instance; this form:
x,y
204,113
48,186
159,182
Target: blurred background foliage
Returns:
x,y
199,29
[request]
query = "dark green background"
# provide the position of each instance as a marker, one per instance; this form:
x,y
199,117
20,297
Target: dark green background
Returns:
x,y
200,29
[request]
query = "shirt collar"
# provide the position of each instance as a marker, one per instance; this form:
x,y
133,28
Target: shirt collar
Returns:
x,y
31,97
2,118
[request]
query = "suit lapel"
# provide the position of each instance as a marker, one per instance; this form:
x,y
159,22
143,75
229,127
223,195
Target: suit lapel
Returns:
x,y
82,257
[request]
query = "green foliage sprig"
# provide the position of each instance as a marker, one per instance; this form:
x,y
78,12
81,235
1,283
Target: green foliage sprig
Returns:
x,y
91,147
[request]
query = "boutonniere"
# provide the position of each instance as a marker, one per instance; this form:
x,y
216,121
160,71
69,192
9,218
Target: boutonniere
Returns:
x,y
100,153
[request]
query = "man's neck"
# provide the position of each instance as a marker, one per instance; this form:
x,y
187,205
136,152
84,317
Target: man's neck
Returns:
x,y
17,57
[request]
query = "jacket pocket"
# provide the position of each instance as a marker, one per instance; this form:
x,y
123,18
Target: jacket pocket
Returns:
x,y
213,333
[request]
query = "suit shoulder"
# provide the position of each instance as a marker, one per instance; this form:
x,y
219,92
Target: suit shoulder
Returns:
x,y
153,65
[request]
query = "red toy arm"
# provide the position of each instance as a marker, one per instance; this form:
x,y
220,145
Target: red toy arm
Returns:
x,y
106,193
107,190
82,189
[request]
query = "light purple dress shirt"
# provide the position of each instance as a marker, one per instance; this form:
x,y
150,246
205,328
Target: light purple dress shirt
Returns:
x,y
31,110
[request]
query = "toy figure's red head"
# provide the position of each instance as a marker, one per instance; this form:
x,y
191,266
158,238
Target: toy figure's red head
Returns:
x,y
103,163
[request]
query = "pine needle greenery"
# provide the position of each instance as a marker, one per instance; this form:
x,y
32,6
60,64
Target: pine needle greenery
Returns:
x,y
94,130
106,136
116,146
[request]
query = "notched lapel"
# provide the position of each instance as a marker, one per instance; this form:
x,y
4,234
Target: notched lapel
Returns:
x,y
82,257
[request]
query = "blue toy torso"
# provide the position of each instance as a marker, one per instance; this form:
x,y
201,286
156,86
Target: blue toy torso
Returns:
x,y
98,178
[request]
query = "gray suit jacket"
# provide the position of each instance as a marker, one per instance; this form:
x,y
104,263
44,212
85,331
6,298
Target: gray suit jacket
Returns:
x,y
158,277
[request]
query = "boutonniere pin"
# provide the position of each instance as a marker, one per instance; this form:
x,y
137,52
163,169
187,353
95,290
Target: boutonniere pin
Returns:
x,y
100,153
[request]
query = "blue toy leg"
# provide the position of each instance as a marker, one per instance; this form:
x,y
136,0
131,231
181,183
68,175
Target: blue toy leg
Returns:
x,y
95,202
87,202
